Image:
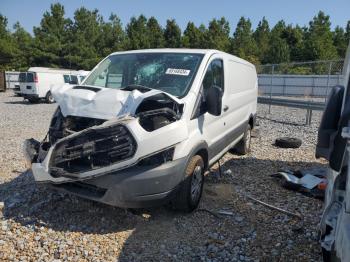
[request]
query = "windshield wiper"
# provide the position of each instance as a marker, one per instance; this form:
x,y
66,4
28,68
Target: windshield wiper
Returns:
x,y
141,88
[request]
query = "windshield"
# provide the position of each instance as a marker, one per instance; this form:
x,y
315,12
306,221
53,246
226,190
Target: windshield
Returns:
x,y
169,72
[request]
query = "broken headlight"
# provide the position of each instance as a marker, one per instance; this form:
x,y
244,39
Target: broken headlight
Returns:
x,y
158,159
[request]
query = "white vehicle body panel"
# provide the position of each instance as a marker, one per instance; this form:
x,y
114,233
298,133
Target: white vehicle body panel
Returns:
x,y
335,223
216,134
46,78
107,103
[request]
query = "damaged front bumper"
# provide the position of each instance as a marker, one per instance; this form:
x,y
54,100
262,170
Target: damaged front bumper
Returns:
x,y
133,187
89,163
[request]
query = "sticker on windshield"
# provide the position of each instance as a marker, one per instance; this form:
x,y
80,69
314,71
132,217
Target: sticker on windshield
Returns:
x,y
180,72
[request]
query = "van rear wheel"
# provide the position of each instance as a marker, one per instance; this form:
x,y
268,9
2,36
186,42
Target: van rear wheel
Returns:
x,y
48,98
188,196
33,100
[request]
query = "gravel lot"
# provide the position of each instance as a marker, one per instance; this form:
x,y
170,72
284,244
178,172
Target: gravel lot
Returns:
x,y
37,224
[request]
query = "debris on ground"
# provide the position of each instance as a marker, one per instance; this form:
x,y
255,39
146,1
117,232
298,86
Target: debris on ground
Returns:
x,y
304,181
275,208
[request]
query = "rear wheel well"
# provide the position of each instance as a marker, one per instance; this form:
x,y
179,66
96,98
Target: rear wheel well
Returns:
x,y
204,154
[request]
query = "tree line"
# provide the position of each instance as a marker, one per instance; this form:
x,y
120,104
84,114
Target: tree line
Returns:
x,y
81,42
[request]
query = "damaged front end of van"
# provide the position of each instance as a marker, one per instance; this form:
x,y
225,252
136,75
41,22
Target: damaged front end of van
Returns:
x,y
116,146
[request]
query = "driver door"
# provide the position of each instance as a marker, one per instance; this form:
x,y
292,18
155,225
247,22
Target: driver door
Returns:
x,y
212,127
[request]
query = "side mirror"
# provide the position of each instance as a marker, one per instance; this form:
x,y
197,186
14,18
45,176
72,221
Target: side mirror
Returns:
x,y
214,100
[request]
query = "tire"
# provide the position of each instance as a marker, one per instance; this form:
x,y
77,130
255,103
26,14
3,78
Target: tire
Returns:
x,y
288,142
33,100
329,256
49,99
189,194
243,146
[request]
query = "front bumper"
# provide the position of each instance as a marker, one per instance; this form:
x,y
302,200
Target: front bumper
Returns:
x,y
133,187
130,182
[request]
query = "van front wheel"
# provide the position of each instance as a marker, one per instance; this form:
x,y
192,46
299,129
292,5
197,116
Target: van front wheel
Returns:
x,y
48,98
189,194
243,146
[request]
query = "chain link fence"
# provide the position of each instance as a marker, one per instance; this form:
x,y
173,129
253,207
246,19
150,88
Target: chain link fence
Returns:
x,y
303,85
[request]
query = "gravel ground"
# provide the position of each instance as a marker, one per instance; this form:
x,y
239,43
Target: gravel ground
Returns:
x,y
37,224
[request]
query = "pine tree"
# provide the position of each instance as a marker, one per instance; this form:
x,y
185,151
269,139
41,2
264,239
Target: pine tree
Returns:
x,y
23,43
155,33
112,36
262,37
7,46
194,37
340,41
243,43
294,38
218,35
347,32
50,38
86,49
279,50
136,30
319,41
172,34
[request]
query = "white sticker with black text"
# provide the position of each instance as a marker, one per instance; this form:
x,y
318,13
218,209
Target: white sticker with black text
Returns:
x,y
180,72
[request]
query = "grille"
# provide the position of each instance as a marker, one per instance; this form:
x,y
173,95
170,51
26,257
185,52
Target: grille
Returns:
x,y
92,149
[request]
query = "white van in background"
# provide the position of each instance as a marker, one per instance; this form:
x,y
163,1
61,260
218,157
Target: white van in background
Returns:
x,y
36,83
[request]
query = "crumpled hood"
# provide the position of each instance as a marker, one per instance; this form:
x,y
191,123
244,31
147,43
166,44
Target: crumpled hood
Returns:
x,y
100,103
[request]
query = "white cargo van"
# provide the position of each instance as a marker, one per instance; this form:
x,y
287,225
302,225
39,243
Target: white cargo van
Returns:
x,y
36,83
145,125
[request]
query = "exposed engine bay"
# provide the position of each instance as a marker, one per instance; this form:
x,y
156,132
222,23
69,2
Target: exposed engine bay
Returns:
x,y
81,144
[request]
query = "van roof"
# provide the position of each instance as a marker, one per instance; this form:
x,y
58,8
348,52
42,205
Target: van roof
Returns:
x,y
51,70
184,50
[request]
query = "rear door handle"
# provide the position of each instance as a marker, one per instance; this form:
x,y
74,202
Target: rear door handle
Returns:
x,y
225,108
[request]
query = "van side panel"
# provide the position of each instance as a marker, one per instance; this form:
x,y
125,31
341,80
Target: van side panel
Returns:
x,y
220,133
240,94
46,80
240,98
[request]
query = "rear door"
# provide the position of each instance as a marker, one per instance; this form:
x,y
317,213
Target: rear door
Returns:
x,y
28,83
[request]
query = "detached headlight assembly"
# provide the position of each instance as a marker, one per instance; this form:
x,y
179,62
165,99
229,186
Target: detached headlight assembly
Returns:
x,y
159,158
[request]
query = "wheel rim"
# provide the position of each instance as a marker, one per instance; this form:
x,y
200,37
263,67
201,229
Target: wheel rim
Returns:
x,y
196,183
51,98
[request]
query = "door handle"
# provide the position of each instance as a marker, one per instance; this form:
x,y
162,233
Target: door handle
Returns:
x,y
225,108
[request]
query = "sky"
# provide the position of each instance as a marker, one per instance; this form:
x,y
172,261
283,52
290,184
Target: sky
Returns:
x,y
29,13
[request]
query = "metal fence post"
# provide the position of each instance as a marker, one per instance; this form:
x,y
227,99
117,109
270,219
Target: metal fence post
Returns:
x,y
7,77
272,75
328,79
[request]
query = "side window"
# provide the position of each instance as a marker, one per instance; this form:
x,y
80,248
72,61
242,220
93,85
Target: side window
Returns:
x,y
30,77
74,79
66,79
218,73
213,77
